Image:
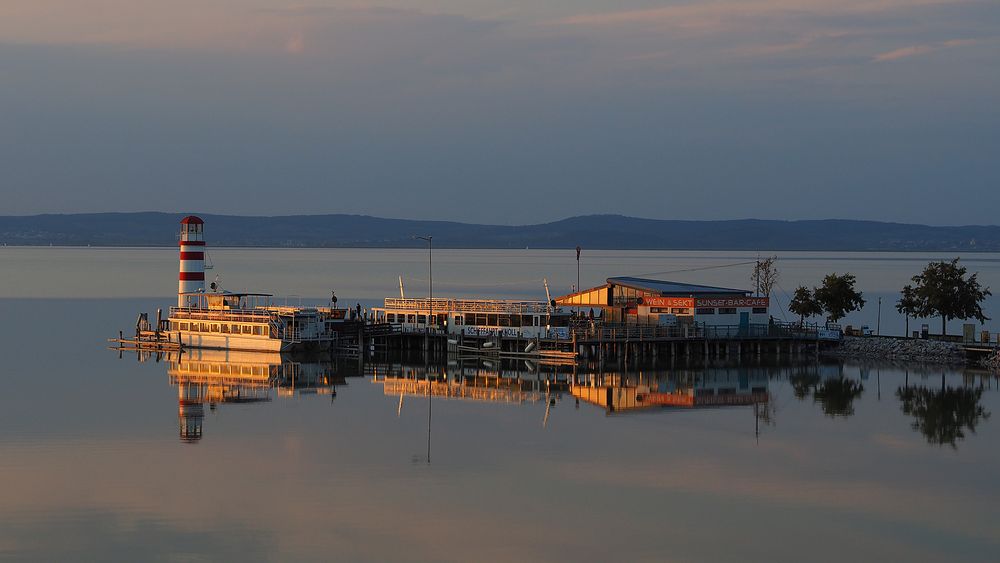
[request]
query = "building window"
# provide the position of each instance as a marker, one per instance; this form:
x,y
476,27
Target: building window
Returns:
x,y
680,311
458,319
760,310
727,310
705,311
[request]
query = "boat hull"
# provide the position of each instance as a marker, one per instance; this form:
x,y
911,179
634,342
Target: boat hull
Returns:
x,y
247,343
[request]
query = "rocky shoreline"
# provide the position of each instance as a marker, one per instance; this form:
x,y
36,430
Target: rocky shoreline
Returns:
x,y
900,349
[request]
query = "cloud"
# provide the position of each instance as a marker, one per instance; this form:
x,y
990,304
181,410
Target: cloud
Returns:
x,y
709,15
295,44
914,50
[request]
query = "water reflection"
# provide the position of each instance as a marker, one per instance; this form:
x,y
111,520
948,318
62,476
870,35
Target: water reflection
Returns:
x,y
472,379
830,388
219,377
943,414
625,391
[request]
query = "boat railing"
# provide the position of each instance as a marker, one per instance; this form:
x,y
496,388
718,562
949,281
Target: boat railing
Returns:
x,y
466,305
228,315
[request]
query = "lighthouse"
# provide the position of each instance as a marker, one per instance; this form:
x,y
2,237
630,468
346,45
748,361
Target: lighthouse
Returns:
x,y
192,264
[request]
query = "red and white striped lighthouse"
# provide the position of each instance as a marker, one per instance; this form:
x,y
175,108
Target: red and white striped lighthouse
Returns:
x,y
192,268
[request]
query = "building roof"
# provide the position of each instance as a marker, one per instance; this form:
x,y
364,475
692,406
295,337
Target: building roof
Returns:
x,y
192,219
671,288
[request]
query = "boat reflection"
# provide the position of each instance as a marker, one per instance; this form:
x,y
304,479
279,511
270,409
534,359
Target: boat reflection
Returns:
x,y
615,390
495,381
215,377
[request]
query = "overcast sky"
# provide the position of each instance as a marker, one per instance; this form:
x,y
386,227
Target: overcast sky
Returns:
x,y
504,111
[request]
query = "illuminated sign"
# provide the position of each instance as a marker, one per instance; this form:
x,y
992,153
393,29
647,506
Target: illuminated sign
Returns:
x,y
689,302
732,302
682,302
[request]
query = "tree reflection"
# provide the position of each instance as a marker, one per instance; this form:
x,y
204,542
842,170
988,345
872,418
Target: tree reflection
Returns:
x,y
837,394
943,415
803,384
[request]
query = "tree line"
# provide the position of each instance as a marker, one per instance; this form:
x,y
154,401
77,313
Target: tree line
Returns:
x,y
943,289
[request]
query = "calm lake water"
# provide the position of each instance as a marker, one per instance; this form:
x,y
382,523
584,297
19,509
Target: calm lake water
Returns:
x,y
839,461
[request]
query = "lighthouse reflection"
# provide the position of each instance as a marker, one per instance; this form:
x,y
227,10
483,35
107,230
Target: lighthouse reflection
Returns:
x,y
217,377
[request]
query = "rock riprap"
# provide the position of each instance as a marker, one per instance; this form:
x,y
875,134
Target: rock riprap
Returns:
x,y
900,349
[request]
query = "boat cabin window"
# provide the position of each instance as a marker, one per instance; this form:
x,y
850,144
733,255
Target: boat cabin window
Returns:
x,y
559,320
411,319
458,320
421,319
390,317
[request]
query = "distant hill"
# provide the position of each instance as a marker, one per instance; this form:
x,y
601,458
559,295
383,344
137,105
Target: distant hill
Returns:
x,y
591,232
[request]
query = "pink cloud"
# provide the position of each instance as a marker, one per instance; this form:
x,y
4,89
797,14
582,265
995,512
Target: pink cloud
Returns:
x,y
914,50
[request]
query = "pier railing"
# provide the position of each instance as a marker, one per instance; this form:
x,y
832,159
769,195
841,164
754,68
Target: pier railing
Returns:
x,y
590,330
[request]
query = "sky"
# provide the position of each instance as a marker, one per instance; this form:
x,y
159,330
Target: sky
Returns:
x,y
506,112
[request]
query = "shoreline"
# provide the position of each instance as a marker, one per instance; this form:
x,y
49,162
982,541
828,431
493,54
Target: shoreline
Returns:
x,y
905,350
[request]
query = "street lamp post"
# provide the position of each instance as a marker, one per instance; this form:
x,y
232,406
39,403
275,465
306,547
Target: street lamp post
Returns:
x,y
430,271
427,335
578,249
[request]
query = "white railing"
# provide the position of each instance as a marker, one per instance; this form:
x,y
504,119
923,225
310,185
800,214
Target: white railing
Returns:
x,y
443,305
228,315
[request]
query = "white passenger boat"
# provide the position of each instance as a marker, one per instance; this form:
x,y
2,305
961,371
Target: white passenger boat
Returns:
x,y
477,317
247,321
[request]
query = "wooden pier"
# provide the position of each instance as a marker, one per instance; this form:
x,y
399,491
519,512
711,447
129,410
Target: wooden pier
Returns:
x,y
584,341
605,341
147,341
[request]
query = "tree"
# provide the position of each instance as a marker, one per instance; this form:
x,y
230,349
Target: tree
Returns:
x,y
942,290
765,275
804,304
838,297
908,305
